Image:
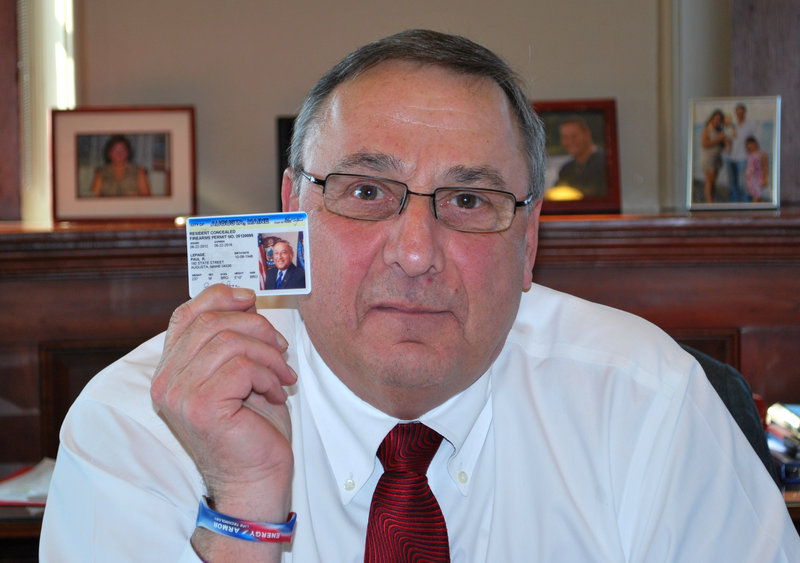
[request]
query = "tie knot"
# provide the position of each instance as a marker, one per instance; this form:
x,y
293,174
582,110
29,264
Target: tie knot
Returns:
x,y
409,447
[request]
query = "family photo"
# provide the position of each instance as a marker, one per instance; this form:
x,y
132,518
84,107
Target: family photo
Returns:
x,y
734,153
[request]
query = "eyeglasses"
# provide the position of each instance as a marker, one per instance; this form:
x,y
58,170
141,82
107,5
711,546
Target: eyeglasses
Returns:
x,y
473,210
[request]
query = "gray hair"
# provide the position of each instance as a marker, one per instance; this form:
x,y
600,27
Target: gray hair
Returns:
x,y
449,51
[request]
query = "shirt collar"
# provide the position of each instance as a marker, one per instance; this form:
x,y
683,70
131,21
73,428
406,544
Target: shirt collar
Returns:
x,y
351,429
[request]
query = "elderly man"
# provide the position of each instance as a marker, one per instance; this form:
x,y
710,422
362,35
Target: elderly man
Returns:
x,y
511,422
285,274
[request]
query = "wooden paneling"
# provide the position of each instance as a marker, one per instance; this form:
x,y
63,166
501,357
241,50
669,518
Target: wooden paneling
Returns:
x,y
80,297
728,284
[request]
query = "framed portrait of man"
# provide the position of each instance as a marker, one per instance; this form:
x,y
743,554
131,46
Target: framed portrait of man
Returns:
x,y
582,174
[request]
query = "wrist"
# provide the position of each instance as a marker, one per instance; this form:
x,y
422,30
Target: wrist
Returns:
x,y
266,498
240,528
258,507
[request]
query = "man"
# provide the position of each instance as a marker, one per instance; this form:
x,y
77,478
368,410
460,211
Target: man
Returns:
x,y
285,274
559,430
737,158
586,171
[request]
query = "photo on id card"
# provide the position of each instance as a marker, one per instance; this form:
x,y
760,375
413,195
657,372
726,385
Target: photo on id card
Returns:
x,y
267,253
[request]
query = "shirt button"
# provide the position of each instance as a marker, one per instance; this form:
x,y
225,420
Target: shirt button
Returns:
x,y
463,477
349,485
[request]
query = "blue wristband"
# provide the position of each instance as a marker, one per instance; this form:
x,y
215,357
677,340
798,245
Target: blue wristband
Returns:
x,y
244,529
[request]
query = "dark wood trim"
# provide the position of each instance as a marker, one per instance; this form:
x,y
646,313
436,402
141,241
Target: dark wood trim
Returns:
x,y
681,240
9,117
100,250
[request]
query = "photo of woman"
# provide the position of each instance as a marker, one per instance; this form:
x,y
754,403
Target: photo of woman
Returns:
x,y
119,176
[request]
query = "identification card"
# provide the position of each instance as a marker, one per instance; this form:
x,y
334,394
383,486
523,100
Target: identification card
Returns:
x,y
267,253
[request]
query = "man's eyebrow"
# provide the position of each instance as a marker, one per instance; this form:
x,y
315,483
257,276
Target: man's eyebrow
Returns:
x,y
375,162
486,176
386,164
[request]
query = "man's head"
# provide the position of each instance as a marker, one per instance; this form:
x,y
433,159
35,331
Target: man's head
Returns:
x,y
576,138
741,111
427,47
408,311
282,254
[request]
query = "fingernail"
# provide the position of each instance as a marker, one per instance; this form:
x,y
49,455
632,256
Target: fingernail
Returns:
x,y
294,373
282,342
243,294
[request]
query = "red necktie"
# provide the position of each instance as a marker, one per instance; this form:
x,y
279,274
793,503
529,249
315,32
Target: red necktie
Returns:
x,y
406,524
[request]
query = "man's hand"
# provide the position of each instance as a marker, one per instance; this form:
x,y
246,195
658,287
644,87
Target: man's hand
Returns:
x,y
219,386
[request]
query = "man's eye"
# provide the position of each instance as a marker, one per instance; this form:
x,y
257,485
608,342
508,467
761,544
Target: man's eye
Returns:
x,y
467,200
367,192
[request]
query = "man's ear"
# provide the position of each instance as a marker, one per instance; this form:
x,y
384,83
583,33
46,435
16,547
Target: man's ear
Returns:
x,y
289,198
531,244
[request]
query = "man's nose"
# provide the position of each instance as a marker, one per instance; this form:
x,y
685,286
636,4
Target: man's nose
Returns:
x,y
413,240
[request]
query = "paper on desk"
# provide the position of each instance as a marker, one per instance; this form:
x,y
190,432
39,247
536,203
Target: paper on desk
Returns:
x,y
29,486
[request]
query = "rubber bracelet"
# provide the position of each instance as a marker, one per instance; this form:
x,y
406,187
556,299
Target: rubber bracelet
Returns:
x,y
244,529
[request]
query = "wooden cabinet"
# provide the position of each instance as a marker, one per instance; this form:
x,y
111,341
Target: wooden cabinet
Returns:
x,y
74,299
71,300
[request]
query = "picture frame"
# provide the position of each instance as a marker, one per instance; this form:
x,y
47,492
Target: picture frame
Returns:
x,y
727,175
123,163
583,176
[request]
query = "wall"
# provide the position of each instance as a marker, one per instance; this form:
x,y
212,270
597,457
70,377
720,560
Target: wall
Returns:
x,y
243,63
765,54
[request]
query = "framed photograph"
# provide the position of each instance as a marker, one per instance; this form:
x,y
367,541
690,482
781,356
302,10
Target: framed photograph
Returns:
x,y
582,173
734,153
123,163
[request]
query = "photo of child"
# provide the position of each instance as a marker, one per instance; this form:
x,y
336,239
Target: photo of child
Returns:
x,y
755,171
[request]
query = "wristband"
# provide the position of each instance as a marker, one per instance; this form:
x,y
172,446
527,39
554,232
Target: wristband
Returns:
x,y
244,529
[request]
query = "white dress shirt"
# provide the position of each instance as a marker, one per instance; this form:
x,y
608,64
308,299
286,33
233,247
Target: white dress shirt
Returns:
x,y
739,144
593,437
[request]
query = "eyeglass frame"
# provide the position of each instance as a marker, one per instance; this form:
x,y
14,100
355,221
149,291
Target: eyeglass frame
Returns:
x,y
323,181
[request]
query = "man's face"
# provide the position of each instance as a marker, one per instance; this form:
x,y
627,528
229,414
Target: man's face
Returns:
x,y
740,113
406,312
575,139
282,255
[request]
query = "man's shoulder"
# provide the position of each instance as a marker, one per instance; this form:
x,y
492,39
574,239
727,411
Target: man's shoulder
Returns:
x,y
545,306
554,324
125,384
599,156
